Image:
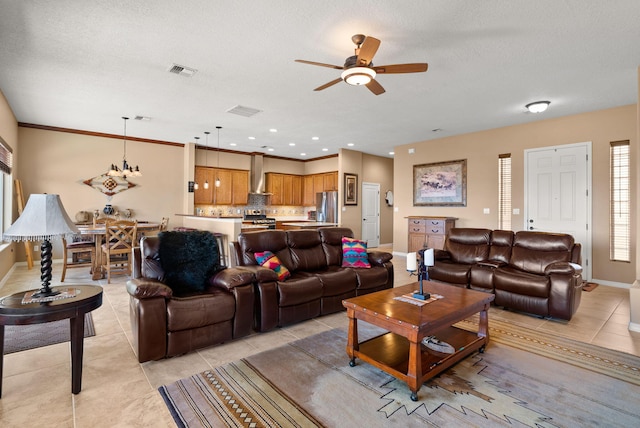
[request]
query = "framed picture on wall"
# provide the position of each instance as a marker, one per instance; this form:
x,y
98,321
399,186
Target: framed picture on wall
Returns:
x,y
350,189
442,184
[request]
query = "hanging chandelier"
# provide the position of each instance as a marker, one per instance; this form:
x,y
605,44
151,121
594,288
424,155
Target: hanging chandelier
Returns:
x,y
126,171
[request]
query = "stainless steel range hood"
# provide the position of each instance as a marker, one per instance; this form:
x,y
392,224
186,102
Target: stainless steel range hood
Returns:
x,y
257,182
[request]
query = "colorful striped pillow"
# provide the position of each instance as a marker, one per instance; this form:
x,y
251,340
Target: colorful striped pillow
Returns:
x,y
354,253
271,261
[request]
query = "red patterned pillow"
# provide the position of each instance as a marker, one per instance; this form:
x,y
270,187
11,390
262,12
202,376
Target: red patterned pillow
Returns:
x,y
354,253
271,261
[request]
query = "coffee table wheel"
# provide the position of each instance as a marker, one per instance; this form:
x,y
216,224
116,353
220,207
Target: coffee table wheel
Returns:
x,y
481,350
414,396
352,362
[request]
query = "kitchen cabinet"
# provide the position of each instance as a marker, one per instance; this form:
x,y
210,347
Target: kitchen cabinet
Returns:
x,y
240,190
296,190
299,190
222,194
233,190
314,183
308,192
201,195
273,185
330,181
428,232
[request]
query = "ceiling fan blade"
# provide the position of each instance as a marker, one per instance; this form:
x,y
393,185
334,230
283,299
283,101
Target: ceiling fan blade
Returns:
x,y
326,85
401,68
321,64
375,87
367,50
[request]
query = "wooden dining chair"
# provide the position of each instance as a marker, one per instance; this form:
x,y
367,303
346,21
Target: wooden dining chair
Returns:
x,y
164,224
120,238
82,252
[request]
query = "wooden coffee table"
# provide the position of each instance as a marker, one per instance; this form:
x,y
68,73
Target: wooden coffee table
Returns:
x,y
399,352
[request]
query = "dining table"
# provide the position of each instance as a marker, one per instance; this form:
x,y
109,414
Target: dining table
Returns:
x,y
99,231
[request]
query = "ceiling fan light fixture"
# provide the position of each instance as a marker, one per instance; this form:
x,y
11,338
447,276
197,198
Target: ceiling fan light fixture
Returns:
x,y
358,75
537,106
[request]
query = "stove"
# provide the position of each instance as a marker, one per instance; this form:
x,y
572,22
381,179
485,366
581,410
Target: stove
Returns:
x,y
259,217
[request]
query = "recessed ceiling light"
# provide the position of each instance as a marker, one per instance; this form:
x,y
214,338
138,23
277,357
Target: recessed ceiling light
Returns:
x,y
538,106
233,144
252,138
270,149
315,138
392,153
325,150
350,144
292,144
303,154
273,130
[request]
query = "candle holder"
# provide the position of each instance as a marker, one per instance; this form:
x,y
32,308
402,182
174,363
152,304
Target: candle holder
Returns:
x,y
425,261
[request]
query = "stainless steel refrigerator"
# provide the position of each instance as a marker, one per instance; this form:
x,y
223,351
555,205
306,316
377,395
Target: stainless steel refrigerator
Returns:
x,y
327,207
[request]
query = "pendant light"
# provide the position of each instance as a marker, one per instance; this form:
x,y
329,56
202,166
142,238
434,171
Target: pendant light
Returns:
x,y
218,155
195,183
206,159
126,171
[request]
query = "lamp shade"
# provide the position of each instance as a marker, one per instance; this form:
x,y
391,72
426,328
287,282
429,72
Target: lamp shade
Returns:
x,y
43,218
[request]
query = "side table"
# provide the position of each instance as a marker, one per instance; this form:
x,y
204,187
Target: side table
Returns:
x,y
87,298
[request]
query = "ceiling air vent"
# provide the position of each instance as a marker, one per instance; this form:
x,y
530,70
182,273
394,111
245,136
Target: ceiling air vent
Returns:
x,y
243,111
182,70
142,118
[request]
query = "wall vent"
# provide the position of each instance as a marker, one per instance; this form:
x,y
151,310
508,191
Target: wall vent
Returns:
x,y
182,70
243,111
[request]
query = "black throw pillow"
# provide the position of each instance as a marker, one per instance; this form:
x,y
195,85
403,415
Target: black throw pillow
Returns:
x,y
188,259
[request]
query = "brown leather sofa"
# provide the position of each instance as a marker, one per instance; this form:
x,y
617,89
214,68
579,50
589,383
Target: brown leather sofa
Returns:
x,y
165,324
318,282
533,272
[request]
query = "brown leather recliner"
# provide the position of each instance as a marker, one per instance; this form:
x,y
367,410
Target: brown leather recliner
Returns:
x,y
165,325
533,272
318,282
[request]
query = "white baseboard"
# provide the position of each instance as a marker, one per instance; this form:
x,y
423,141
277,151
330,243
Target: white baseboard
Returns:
x,y
634,327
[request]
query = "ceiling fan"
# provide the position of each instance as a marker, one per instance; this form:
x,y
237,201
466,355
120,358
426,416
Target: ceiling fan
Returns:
x,y
359,70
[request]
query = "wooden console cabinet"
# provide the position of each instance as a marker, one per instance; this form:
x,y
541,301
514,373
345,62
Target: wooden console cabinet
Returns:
x,y
429,231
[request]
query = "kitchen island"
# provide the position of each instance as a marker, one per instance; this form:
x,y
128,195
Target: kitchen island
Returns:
x,y
230,227
307,225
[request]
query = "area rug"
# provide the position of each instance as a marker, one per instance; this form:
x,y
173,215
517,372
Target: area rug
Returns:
x,y
309,383
23,337
589,286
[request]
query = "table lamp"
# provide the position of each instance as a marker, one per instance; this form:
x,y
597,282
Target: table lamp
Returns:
x,y
43,218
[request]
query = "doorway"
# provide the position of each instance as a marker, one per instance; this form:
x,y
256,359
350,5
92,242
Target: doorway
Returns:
x,y
558,194
371,214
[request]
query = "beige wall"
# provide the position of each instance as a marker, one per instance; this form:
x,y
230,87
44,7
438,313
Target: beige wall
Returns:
x,y
9,133
481,149
58,162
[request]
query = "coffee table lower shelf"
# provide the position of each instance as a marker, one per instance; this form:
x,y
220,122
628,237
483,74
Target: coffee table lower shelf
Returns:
x,y
390,353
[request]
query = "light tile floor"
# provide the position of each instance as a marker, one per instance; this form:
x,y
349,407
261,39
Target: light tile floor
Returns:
x,y
117,391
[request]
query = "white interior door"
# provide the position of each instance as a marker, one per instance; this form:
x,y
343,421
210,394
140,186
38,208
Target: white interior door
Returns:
x,y
557,194
371,214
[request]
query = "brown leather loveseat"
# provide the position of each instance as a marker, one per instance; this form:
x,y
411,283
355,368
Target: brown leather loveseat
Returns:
x,y
533,272
318,282
165,323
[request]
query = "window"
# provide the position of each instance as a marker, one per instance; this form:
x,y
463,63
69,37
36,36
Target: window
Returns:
x,y
504,191
620,216
6,162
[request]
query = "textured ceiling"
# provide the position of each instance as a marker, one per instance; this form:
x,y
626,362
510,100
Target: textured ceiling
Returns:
x,y
84,64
